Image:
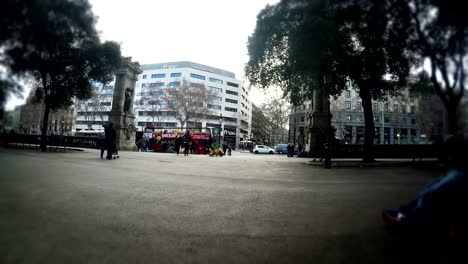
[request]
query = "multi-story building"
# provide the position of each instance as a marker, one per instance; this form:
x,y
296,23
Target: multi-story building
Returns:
x,y
261,127
298,122
32,115
395,119
231,110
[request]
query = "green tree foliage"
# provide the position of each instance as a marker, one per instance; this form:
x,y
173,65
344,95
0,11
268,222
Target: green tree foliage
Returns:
x,y
438,30
303,45
55,42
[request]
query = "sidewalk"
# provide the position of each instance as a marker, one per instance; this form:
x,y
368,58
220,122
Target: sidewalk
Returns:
x,y
357,163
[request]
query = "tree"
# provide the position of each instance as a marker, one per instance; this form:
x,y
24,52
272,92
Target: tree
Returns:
x,y
304,45
277,112
438,31
92,108
56,43
152,102
189,102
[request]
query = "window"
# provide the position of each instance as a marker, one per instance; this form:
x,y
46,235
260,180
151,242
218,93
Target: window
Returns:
x,y
395,108
215,80
158,84
302,119
386,107
412,109
218,98
348,93
359,106
229,109
105,103
107,87
215,107
142,94
376,118
143,85
348,105
232,92
349,118
359,118
231,101
197,76
196,85
158,75
144,76
158,93
376,107
387,119
215,90
174,84
232,84
108,96
404,120
176,74
413,121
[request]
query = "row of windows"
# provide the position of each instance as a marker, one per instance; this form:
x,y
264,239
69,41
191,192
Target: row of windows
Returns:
x,y
232,84
215,80
375,107
232,101
377,119
215,89
232,92
197,76
230,109
162,75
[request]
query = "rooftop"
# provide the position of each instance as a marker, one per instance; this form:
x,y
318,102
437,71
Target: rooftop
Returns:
x,y
187,64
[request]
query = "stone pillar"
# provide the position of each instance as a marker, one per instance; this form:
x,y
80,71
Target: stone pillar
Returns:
x,y
122,114
318,120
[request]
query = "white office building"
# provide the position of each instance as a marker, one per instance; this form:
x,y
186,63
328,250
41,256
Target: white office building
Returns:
x,y
232,110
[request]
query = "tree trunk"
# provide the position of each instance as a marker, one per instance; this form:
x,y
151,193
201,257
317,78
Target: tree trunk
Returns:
x,y
45,126
369,130
452,118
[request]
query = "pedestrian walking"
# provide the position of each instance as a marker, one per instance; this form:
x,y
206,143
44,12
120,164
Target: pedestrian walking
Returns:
x,y
290,149
178,144
102,144
187,142
110,135
229,149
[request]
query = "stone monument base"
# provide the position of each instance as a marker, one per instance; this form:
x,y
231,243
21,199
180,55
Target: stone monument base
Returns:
x,y
125,130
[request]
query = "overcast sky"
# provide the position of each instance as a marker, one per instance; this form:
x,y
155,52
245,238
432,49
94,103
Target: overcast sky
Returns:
x,y
211,32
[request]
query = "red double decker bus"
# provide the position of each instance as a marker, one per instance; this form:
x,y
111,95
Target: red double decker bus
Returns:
x,y
162,139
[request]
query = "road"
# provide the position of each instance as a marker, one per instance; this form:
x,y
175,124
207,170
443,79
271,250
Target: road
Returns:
x,y
163,208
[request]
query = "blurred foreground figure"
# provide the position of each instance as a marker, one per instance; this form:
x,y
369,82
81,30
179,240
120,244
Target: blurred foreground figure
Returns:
x,y
445,199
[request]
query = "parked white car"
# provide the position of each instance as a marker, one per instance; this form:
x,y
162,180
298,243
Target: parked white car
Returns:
x,y
263,149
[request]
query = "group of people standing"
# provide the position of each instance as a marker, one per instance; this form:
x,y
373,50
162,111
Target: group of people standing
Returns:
x,y
184,141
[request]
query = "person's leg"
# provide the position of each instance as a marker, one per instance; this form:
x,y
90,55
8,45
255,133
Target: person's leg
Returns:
x,y
102,152
441,191
109,151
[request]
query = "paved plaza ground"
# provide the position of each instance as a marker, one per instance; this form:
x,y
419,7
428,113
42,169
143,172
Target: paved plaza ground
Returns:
x,y
163,208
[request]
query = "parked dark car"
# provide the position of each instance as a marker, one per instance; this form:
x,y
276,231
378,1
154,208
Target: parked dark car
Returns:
x,y
281,149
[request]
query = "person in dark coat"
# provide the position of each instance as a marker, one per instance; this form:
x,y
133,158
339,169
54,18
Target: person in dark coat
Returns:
x,y
110,135
187,142
178,143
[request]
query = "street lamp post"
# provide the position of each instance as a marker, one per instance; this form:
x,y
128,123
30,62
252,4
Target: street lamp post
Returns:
x,y
327,163
220,128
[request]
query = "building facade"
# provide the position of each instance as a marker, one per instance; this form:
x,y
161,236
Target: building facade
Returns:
x,y
231,111
297,133
402,119
32,115
261,127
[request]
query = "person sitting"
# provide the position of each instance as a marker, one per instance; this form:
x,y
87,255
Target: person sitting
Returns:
x,y
443,197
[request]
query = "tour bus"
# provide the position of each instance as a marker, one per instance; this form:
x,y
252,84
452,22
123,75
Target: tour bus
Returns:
x,y
162,139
